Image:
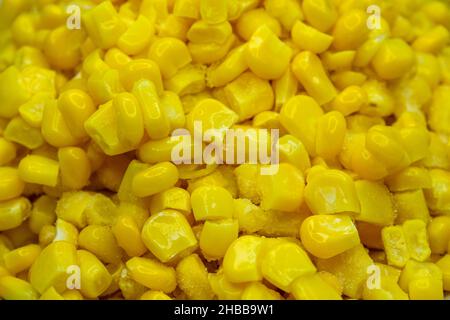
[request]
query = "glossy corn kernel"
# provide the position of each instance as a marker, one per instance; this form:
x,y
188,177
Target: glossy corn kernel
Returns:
x,y
350,30
50,267
168,235
309,70
174,198
284,262
242,261
259,291
224,289
331,191
11,185
94,277
393,59
309,38
313,287
265,48
43,213
152,274
444,265
100,241
155,295
22,258
40,170
411,205
409,179
128,236
350,100
331,129
21,132
137,37
12,288
377,205
192,278
422,280
294,152
326,236
439,234
216,237
51,294
320,14
71,160
155,179
211,202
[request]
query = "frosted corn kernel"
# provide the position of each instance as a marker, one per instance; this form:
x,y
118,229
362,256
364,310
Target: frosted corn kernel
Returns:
x,y
308,38
416,237
309,70
395,246
285,262
266,49
168,235
192,278
243,258
216,237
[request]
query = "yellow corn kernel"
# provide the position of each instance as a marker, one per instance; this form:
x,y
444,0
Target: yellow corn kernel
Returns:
x,y
51,266
168,235
174,198
94,63
444,265
8,151
173,108
433,40
104,25
393,59
439,112
350,268
251,218
284,88
309,38
350,100
228,69
201,32
192,278
156,122
137,37
40,170
331,182
125,192
422,280
128,236
152,274
100,241
54,128
46,235
71,207
130,124
11,80
224,289
75,167
116,59
285,11
104,85
155,295
11,186
175,27
395,246
284,262
76,107
12,288
299,116
51,294
331,129
216,237
32,111
155,179
439,234
388,290
258,291
213,11
416,238
309,70
250,21
43,213
266,49
350,30
62,47
72,295
344,79
22,258
283,189
65,231
339,60
428,68
101,210
409,179
187,9
294,152
242,261
313,287
94,277
411,205
211,202
326,236
170,54
188,80
376,202
140,69
320,14
21,132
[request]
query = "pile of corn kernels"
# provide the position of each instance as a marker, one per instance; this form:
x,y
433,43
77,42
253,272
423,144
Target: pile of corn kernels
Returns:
x,y
92,205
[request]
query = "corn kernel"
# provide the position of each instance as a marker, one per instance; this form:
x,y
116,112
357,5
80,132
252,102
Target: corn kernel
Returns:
x,y
411,205
12,81
137,37
73,159
350,30
433,40
227,70
43,213
331,129
155,179
174,198
393,59
224,289
40,170
294,152
377,206
155,295
439,234
12,288
51,294
309,38
216,237
128,236
188,80
94,277
192,278
54,128
22,258
350,100
11,186
100,241
313,287
444,265
21,132
320,14
250,21
258,291
395,246
152,274
211,202
416,237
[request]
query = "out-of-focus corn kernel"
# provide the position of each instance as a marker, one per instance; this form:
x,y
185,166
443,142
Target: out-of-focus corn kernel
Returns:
x,y
439,234
309,70
12,288
284,262
62,47
192,278
433,40
116,59
422,280
100,241
46,235
320,14
411,205
128,236
8,151
408,179
242,261
331,182
285,11
152,274
94,277
137,37
313,287
22,258
350,100
11,185
155,295
393,59
51,294
40,170
339,60
350,30
309,38
213,11
444,265
216,237
168,235
11,81
266,49
21,132
187,8
227,70
326,236
259,291
50,268
43,213
250,21
376,203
